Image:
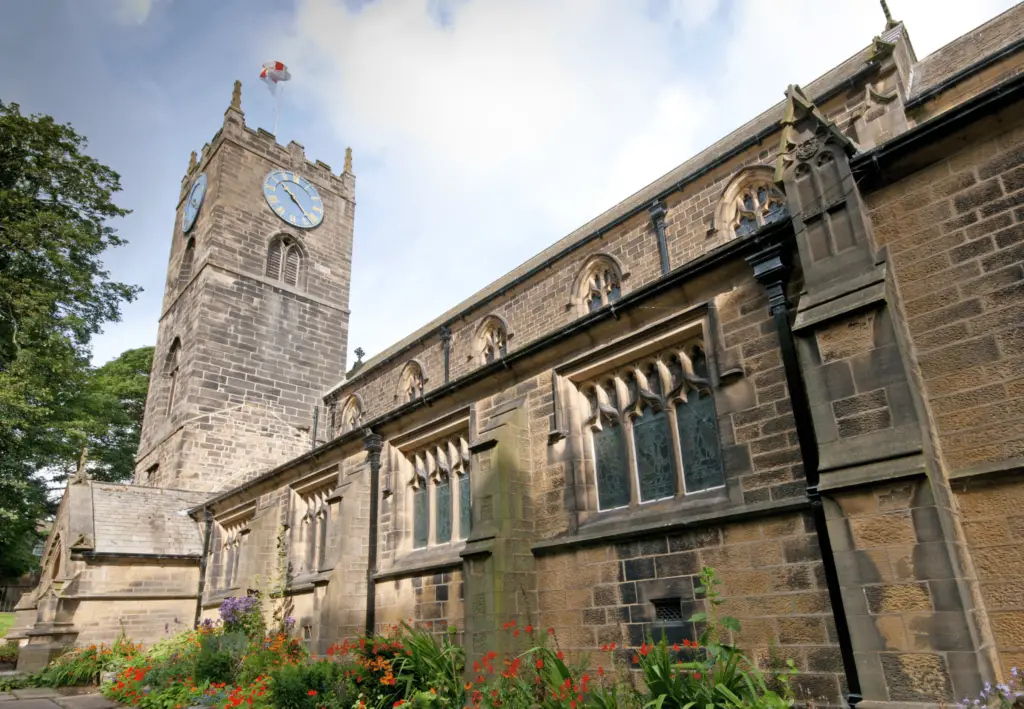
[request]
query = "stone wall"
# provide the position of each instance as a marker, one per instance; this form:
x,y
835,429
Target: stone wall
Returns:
x,y
954,233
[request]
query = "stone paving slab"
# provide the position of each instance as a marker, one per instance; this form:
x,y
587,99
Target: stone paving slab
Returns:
x,y
41,703
84,701
6,696
34,693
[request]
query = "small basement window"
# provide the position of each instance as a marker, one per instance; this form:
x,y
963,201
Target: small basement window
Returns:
x,y
668,610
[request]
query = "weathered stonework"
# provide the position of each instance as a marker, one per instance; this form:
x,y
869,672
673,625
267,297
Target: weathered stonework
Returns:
x,y
796,359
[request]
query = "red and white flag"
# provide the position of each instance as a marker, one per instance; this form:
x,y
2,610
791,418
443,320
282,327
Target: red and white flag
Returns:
x,y
272,74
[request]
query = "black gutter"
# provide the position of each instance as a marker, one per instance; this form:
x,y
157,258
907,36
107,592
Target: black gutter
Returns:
x,y
201,589
772,270
114,555
871,167
732,250
964,73
657,211
870,67
373,443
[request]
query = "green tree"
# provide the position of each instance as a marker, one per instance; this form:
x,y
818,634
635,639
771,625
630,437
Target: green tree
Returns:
x,y
55,294
110,414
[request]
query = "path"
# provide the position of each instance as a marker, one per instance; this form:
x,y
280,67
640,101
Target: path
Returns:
x,y
41,698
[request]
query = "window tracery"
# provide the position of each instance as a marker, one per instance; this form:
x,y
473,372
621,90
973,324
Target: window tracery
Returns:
x,y
599,283
185,269
751,200
411,383
440,492
315,518
492,339
233,536
653,429
351,414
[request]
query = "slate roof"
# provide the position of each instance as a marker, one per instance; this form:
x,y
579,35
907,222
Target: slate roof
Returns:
x,y
145,520
995,35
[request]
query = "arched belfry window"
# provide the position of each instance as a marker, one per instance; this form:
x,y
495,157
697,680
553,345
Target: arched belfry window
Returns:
x,y
598,284
171,364
351,414
751,200
187,258
492,339
411,382
285,261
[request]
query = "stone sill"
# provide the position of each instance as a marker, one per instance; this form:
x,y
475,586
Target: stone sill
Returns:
x,y
423,560
308,582
638,526
988,471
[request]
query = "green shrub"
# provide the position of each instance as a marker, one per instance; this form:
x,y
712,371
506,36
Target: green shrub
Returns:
x,y
219,657
84,665
309,686
8,653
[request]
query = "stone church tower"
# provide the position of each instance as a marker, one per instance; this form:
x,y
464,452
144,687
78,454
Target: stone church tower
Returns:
x,y
254,323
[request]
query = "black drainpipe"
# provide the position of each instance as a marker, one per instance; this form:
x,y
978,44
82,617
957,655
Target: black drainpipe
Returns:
x,y
372,443
657,212
771,269
207,527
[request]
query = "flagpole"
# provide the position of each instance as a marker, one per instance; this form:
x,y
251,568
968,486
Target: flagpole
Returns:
x,y
277,104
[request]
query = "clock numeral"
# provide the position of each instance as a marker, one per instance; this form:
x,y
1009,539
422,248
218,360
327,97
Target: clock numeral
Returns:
x,y
316,198
279,210
292,218
272,198
316,209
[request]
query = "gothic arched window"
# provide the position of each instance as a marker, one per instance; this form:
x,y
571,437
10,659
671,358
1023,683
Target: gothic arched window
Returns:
x,y
751,200
661,410
351,414
171,364
185,269
285,261
492,339
411,382
599,283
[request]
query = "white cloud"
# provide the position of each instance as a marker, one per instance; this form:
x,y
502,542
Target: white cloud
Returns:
x,y
132,12
481,140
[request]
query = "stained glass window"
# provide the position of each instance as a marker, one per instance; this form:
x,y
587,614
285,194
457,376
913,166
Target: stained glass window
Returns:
x,y
612,467
465,518
443,512
698,438
420,516
654,466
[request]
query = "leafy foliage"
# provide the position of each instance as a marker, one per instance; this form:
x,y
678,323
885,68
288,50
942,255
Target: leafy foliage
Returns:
x,y
55,294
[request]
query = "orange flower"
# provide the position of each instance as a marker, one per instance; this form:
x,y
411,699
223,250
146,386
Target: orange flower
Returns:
x,y
636,659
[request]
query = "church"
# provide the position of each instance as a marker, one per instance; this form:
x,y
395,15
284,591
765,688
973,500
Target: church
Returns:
x,y
797,358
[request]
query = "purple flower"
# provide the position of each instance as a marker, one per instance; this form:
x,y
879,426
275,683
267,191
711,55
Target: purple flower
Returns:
x,y
289,622
233,609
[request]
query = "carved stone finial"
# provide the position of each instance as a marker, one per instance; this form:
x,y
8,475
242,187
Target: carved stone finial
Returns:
x,y
80,475
889,22
192,161
236,96
359,354
348,159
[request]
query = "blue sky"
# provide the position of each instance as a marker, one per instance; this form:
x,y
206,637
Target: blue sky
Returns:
x,y
482,130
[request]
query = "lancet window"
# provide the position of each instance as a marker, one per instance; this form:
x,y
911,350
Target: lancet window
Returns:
x,y
314,521
440,492
351,415
232,543
653,429
171,365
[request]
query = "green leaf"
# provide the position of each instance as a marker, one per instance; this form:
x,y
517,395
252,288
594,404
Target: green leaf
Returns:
x,y
698,617
730,623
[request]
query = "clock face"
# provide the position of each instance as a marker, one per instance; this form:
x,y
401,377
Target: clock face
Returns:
x,y
293,199
193,202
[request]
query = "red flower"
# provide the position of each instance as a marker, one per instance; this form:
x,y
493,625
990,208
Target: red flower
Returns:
x,y
600,671
529,628
539,664
311,693
696,675
399,703
675,647
636,659
560,655
551,631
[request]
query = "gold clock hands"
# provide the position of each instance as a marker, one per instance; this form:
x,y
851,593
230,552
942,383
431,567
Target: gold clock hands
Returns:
x,y
294,199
